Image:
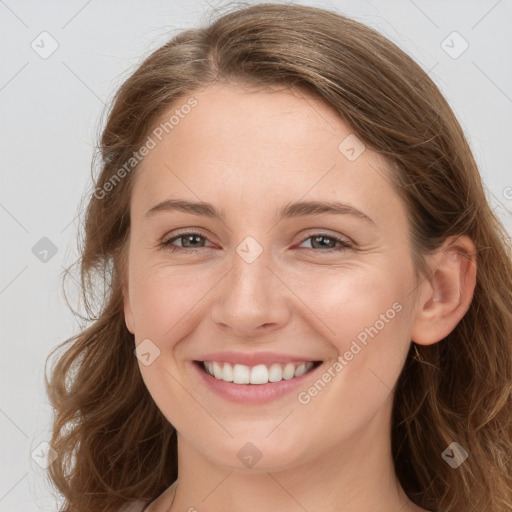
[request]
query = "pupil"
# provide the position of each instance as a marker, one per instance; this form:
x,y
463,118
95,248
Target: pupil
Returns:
x,y
324,238
190,238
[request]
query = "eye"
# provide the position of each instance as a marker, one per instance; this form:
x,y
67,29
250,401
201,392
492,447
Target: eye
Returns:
x,y
318,240
188,244
192,240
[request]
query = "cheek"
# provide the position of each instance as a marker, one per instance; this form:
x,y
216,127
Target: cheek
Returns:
x,y
357,313
165,298
365,316
166,307
357,303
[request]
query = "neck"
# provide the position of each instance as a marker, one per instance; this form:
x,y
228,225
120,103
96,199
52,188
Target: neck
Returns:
x,y
356,475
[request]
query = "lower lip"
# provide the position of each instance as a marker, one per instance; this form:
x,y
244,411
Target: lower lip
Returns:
x,y
253,393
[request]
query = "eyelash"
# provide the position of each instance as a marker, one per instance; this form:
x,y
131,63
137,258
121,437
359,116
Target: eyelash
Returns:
x,y
346,245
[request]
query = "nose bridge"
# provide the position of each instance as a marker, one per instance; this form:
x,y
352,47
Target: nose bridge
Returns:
x,y
250,277
250,296
250,270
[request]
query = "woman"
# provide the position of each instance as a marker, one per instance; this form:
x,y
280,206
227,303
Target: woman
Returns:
x,y
340,338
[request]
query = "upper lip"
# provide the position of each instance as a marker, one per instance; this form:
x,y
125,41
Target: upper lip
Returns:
x,y
254,359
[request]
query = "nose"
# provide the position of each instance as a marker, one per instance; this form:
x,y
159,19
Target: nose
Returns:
x,y
252,300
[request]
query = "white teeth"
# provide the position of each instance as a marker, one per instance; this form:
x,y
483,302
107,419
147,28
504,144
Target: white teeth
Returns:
x,y
275,373
217,370
227,373
259,374
240,374
289,371
300,370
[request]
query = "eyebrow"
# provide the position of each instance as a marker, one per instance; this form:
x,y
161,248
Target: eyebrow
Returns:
x,y
290,210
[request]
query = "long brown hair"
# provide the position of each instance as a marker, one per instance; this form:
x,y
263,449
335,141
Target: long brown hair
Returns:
x,y
113,443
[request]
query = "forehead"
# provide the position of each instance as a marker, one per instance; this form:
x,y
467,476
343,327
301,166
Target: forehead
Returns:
x,y
254,145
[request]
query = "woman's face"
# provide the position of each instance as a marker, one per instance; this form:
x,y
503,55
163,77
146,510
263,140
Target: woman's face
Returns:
x,y
264,283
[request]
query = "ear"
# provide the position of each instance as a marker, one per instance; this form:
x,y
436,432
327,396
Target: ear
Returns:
x,y
128,314
446,293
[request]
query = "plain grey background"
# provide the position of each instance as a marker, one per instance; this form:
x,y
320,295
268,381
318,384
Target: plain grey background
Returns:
x,y
62,62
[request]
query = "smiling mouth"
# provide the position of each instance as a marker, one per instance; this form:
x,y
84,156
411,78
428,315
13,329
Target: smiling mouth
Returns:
x,y
258,374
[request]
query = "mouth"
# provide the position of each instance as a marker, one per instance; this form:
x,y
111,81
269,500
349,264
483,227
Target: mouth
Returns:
x,y
259,374
256,384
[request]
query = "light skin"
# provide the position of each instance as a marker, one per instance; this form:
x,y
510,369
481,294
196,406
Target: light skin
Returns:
x,y
249,153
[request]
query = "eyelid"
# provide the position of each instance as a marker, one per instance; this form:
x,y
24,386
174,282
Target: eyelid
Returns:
x,y
323,232
182,232
346,241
